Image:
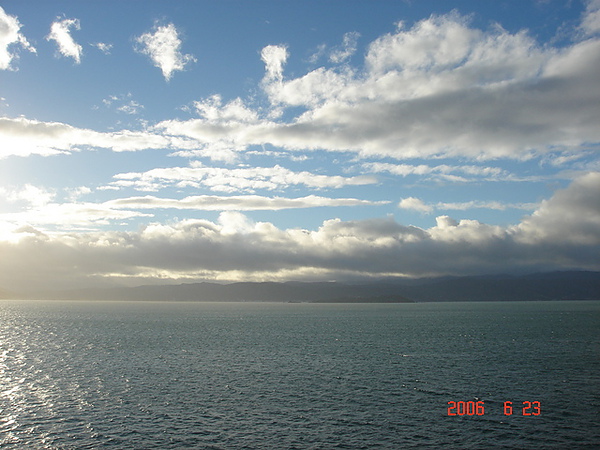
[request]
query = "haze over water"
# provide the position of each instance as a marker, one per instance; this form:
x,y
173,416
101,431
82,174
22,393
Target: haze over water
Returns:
x,y
157,375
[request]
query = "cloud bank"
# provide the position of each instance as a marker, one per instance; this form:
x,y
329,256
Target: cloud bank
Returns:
x,y
563,233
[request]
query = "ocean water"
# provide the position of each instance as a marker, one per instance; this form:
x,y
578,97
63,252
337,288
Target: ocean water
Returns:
x,y
151,375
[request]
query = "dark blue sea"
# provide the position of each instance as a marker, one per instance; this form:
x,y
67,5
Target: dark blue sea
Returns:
x,y
160,375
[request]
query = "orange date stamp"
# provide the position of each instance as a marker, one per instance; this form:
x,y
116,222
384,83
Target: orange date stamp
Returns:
x,y
528,408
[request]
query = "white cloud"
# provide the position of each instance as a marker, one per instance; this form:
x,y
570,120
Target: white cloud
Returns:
x,y
60,32
212,110
10,36
434,44
131,107
274,57
31,195
24,137
312,89
218,151
248,179
414,204
163,46
443,171
235,203
70,215
478,204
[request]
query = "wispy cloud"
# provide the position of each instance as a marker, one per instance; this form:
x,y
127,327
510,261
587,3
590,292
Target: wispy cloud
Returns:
x,y
245,179
123,103
236,203
347,49
103,47
416,204
10,36
317,53
163,46
60,32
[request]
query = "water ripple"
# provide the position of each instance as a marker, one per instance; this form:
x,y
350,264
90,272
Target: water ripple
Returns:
x,y
171,375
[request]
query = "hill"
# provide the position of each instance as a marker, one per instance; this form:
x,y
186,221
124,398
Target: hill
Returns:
x,y
575,285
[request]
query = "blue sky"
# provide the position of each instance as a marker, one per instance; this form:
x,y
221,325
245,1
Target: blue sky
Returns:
x,y
168,142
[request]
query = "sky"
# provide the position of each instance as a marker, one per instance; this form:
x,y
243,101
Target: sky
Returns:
x,y
163,142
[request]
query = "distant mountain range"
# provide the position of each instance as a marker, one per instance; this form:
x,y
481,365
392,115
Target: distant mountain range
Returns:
x,y
573,285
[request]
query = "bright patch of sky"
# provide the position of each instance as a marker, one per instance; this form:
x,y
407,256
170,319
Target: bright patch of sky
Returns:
x,y
277,140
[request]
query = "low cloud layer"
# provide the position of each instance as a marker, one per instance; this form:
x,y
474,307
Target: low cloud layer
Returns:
x,y
563,233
